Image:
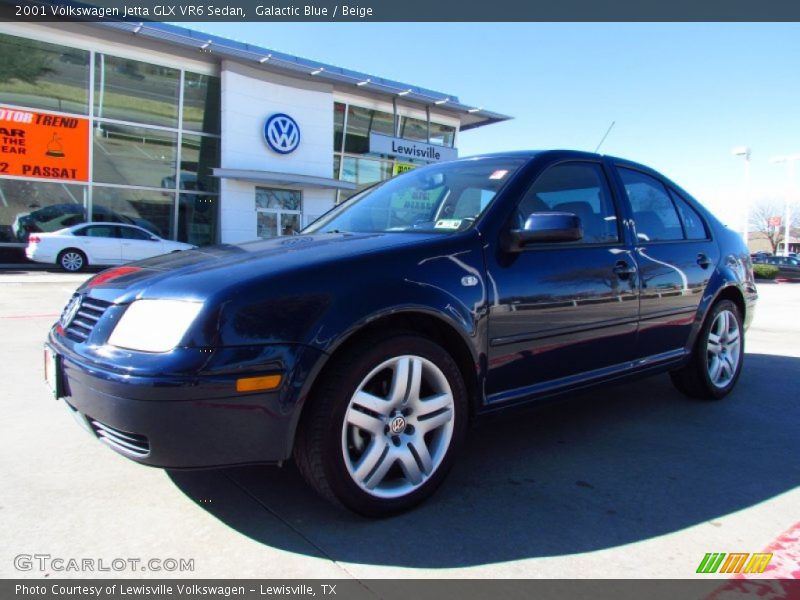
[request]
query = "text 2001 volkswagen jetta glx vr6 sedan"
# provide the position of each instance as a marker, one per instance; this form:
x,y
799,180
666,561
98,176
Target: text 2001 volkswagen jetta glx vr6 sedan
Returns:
x,y
364,346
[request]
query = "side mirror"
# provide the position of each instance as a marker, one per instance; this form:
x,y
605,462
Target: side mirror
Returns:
x,y
546,227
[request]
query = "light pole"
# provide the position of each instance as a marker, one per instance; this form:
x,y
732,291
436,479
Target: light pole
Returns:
x,y
787,217
745,152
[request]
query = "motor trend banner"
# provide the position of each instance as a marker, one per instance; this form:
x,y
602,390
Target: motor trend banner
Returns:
x,y
43,145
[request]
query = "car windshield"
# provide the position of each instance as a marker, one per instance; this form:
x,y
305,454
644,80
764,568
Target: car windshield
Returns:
x,y
438,198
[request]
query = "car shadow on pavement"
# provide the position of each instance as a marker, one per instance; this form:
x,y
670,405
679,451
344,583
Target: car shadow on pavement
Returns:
x,y
603,468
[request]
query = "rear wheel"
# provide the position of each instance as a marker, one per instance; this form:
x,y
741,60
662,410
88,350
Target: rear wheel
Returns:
x,y
384,425
718,355
72,260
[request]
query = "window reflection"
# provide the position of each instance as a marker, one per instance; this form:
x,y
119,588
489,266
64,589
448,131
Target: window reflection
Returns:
x,y
201,102
32,207
150,210
363,172
198,216
363,121
134,155
41,75
199,155
278,212
130,90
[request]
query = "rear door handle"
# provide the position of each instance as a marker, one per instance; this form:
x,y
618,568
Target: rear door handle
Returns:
x,y
623,269
703,261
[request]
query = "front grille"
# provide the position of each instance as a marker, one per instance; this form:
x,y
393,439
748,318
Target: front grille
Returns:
x,y
90,311
128,443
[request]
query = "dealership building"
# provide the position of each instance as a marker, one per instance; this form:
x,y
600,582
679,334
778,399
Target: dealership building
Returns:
x,y
196,137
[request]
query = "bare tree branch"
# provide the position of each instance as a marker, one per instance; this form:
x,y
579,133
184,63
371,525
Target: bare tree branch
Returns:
x,y
764,211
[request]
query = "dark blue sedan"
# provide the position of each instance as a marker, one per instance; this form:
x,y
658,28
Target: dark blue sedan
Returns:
x,y
365,346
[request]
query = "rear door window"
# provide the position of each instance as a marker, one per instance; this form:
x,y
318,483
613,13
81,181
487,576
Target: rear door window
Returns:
x,y
104,231
693,224
129,233
654,214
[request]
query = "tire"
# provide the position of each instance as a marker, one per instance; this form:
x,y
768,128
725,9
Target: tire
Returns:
x,y
72,260
716,362
373,441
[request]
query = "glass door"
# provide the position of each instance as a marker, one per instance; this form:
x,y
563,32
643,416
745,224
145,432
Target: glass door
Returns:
x,y
278,211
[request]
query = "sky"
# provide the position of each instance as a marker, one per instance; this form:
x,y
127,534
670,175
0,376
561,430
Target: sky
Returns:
x,y
682,95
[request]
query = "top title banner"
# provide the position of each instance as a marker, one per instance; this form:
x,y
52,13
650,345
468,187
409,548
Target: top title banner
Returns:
x,y
401,10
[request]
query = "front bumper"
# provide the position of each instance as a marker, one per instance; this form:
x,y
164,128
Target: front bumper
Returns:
x,y
192,420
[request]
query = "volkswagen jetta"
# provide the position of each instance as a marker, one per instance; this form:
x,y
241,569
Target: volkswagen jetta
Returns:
x,y
365,346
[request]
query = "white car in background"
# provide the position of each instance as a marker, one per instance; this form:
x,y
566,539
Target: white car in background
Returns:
x,y
76,247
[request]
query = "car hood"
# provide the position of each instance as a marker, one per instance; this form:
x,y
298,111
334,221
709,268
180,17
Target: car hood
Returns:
x,y
203,272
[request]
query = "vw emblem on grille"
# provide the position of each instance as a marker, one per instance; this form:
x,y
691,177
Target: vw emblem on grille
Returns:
x,y
397,425
72,308
282,133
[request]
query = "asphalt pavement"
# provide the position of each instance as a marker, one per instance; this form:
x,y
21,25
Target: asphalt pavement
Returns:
x,y
633,480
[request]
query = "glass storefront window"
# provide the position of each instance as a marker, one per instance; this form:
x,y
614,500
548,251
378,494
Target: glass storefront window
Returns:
x,y
134,155
278,212
417,130
363,172
338,126
41,75
199,155
413,129
130,90
363,121
198,216
151,210
31,207
201,102
443,135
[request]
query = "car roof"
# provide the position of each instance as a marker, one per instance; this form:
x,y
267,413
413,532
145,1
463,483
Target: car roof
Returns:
x,y
110,224
563,154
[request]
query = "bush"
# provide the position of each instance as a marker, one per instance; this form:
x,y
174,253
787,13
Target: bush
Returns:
x,y
765,271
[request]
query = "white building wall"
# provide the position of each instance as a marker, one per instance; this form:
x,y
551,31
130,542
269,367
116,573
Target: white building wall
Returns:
x,y
249,96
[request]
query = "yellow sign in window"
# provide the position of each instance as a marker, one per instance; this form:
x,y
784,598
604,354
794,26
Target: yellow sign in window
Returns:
x,y
400,168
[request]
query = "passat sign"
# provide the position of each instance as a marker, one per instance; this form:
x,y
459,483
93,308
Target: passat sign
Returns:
x,y
384,144
282,133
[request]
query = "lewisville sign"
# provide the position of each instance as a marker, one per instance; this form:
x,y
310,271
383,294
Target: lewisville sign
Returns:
x,y
384,144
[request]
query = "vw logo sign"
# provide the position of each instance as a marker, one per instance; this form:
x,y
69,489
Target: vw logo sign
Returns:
x,y
70,311
282,133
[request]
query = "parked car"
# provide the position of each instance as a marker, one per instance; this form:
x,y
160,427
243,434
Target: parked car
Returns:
x,y
788,267
58,216
74,248
365,345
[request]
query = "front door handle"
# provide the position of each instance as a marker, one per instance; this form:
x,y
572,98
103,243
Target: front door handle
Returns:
x,y
703,261
623,269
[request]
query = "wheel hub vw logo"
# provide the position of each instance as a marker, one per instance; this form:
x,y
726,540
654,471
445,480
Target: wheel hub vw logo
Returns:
x,y
397,425
70,311
282,133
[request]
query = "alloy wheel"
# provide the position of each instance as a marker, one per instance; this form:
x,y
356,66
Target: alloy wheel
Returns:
x,y
398,426
72,261
723,349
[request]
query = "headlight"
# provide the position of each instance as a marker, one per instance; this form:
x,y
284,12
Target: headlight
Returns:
x,y
154,325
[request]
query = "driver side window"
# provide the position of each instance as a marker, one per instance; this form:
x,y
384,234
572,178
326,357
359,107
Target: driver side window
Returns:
x,y
578,188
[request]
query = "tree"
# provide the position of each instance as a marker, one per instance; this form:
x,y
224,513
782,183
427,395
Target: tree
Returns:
x,y
764,212
24,62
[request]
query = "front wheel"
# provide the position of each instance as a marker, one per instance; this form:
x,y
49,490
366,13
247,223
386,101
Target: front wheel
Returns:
x,y
717,359
384,426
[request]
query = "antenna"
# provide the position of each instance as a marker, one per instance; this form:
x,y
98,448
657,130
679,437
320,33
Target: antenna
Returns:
x,y
610,127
